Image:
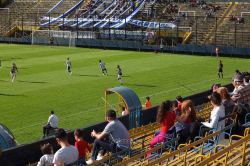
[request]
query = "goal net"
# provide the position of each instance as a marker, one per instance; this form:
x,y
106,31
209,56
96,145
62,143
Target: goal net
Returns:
x,y
61,38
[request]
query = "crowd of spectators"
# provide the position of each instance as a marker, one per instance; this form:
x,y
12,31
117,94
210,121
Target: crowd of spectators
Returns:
x,y
114,138
223,102
114,10
237,19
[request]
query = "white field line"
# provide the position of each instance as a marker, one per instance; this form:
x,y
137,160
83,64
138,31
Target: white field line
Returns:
x,y
112,104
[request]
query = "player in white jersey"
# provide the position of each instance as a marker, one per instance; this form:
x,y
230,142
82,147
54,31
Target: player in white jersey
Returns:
x,y
119,70
102,67
13,72
68,63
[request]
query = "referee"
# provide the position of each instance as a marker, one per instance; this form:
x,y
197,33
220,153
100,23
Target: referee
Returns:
x,y
220,69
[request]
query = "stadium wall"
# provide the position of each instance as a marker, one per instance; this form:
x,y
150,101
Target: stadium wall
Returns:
x,y
130,45
31,153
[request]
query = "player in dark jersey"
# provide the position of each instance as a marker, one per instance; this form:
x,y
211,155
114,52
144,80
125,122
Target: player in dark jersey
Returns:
x,y
220,69
1,64
51,41
13,72
119,70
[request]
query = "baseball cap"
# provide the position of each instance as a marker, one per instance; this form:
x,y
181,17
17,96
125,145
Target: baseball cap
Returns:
x,y
60,133
110,113
237,78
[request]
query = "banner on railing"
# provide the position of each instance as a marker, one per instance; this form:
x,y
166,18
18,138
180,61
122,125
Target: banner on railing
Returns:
x,y
81,34
129,34
134,22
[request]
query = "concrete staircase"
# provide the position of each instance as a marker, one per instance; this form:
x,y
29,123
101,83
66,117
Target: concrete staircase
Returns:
x,y
30,12
229,31
203,26
218,23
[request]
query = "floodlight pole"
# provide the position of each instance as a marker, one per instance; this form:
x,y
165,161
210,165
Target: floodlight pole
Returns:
x,y
77,26
235,35
22,24
109,27
63,21
196,30
49,24
159,30
215,29
142,28
125,28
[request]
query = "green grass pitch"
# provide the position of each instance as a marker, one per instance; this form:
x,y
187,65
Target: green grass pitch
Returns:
x,y
43,83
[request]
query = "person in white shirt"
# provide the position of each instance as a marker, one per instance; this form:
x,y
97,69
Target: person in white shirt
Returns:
x,y
102,67
216,113
68,153
124,111
48,155
52,123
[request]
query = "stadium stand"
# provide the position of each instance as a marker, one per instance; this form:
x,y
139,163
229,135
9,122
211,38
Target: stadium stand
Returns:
x,y
234,150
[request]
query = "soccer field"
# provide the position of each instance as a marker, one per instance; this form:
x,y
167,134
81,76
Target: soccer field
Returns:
x,y
43,83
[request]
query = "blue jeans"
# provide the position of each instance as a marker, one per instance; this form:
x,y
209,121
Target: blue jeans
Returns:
x,y
83,162
157,132
46,127
107,145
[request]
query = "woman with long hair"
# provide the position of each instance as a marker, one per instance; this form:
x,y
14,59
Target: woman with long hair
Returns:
x,y
217,112
185,107
166,117
226,100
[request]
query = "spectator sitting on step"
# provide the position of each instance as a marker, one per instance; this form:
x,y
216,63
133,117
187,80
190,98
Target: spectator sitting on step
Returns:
x,y
180,101
213,9
205,16
192,4
237,72
226,100
241,92
217,112
173,9
174,18
48,155
150,12
246,81
68,153
166,117
168,10
181,8
209,15
217,7
81,145
185,107
170,18
241,20
155,14
52,123
176,110
198,2
237,20
114,138
204,6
